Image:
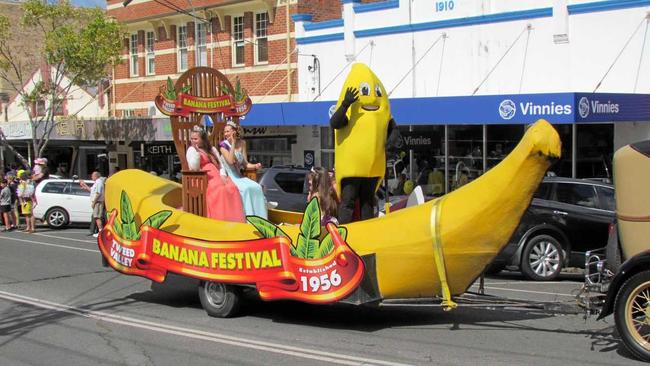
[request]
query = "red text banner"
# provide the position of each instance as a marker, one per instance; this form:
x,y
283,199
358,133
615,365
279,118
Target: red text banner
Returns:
x,y
267,263
184,104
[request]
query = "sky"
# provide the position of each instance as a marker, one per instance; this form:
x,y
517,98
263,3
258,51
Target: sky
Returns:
x,y
90,3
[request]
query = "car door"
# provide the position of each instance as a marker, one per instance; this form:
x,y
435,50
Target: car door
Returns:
x,y
586,224
49,195
293,187
79,198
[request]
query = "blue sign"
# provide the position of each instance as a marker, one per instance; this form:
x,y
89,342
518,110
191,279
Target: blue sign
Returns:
x,y
556,108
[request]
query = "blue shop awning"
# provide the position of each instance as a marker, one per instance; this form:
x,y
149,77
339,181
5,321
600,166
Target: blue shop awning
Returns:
x,y
483,109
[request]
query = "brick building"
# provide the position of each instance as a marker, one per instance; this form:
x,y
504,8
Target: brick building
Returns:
x,y
252,41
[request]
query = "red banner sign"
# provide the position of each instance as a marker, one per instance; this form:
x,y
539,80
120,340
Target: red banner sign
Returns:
x,y
267,263
184,104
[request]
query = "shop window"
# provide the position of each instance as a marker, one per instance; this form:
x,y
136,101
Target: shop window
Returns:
x,y
181,45
261,38
201,44
238,41
465,154
594,150
327,147
151,56
562,167
133,55
501,140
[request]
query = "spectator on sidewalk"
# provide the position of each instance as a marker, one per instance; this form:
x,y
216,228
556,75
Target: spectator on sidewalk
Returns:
x,y
5,204
96,199
26,198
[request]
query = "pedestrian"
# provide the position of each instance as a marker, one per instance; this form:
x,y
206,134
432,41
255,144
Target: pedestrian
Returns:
x,y
12,182
41,171
96,199
25,193
5,204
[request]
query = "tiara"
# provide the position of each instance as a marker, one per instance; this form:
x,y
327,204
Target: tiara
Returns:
x,y
197,128
231,124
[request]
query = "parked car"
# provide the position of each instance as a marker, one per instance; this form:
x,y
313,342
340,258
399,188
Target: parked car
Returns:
x,y
287,185
566,218
61,202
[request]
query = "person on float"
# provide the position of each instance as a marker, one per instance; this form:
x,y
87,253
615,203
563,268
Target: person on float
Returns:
x,y
233,150
362,125
222,196
320,187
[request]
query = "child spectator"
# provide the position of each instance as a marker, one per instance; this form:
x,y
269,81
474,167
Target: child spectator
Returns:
x,y
26,198
320,186
5,204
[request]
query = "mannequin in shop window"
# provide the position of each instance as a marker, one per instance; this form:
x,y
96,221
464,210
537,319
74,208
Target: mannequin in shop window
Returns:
x,y
222,197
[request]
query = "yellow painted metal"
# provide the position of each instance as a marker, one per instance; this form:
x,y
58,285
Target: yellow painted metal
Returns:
x,y
473,223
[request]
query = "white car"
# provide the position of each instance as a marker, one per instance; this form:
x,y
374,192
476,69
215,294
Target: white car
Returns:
x,y
62,201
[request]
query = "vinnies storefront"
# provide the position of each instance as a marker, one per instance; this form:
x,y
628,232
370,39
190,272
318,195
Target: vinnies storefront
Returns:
x,y
465,136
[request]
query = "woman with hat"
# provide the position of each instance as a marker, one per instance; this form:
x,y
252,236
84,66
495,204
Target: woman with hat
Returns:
x,y
40,170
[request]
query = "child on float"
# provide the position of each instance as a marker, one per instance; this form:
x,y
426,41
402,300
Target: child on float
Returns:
x,y
233,150
320,187
222,196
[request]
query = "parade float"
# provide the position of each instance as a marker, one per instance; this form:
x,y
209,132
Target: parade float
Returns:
x,y
436,249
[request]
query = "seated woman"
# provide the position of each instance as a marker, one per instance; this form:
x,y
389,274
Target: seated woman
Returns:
x,y
222,196
233,150
320,186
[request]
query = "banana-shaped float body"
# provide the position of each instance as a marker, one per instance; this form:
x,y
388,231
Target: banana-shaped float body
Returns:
x,y
471,224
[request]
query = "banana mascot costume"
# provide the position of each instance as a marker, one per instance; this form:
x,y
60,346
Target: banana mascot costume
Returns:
x,y
362,123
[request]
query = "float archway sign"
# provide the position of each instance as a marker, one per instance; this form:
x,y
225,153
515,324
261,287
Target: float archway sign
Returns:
x,y
200,92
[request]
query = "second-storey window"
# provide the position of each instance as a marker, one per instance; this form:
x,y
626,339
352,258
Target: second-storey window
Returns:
x,y
261,38
151,57
238,40
133,55
182,48
201,44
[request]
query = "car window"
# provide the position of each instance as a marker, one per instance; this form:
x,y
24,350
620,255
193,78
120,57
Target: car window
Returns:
x,y
53,187
576,194
291,182
75,189
607,200
542,191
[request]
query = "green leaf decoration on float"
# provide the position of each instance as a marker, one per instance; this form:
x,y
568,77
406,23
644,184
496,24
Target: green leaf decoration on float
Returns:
x,y
308,245
127,228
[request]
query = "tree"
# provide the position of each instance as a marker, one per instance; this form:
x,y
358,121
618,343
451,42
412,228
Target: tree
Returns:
x,y
78,44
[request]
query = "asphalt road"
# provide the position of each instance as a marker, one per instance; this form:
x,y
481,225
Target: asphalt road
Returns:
x,y
59,306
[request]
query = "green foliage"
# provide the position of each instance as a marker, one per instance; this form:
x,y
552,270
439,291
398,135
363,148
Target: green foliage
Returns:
x,y
78,43
266,228
170,92
327,244
127,228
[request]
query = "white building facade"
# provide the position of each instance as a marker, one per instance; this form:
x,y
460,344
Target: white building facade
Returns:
x,y
551,57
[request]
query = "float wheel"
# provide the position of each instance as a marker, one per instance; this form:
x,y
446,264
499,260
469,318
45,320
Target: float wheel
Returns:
x,y
632,315
218,299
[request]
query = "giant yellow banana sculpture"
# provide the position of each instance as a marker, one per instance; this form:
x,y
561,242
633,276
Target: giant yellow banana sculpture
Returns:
x,y
467,227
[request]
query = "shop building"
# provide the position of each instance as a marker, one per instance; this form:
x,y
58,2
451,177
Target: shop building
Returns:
x,y
582,65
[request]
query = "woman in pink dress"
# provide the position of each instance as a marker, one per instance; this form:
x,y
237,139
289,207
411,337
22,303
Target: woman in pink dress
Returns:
x,y
222,196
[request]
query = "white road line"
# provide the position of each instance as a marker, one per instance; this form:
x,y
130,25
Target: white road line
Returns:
x,y
299,352
527,291
55,245
64,238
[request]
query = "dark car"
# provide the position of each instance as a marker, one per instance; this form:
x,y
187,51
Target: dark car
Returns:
x,y
286,185
566,218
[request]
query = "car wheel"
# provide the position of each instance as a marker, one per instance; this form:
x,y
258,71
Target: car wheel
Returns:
x,y
218,299
632,314
542,258
56,218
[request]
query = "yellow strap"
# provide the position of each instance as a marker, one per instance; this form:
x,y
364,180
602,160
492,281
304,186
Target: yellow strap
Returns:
x,y
439,257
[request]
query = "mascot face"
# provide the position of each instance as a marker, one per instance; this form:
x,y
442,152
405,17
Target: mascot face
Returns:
x,y
372,94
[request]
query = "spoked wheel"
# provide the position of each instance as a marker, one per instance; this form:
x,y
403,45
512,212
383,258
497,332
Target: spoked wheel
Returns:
x,y
218,299
542,258
632,315
56,218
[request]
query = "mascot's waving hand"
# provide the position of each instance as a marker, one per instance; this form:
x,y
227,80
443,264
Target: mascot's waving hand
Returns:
x,y
362,122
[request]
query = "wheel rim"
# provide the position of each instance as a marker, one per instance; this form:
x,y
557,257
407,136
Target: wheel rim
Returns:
x,y
637,315
544,258
57,218
215,293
